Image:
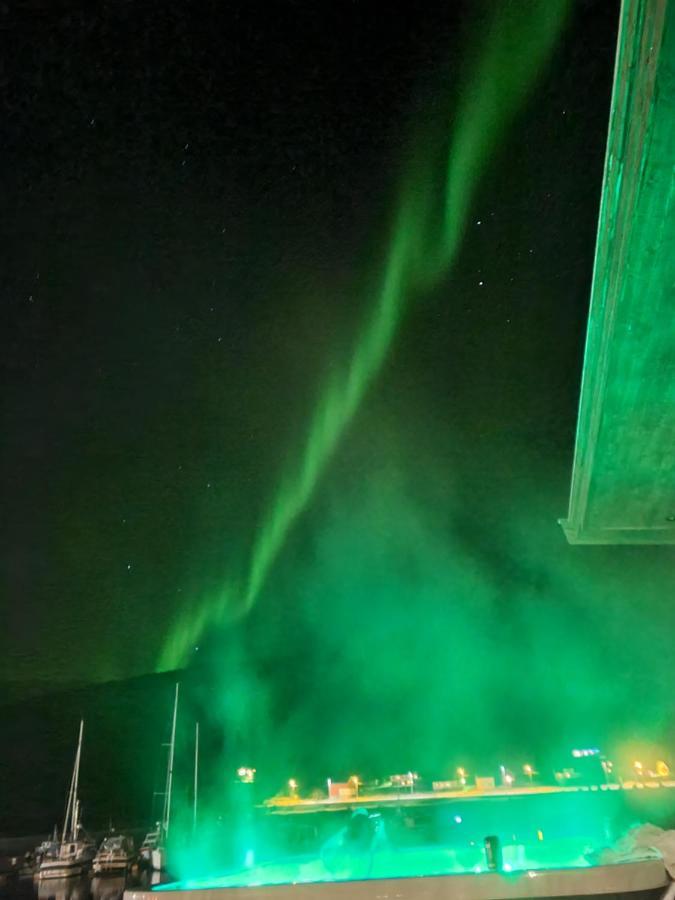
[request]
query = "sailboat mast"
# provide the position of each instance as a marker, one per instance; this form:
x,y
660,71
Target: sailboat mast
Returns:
x,y
70,818
196,784
76,784
169,771
69,803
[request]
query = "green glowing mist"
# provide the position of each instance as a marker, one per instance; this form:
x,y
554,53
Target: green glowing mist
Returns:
x,y
431,217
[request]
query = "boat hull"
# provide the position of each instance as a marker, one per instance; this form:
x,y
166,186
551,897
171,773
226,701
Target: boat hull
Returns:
x,y
60,868
113,866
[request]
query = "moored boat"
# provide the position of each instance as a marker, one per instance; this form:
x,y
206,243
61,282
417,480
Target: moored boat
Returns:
x,y
73,859
74,853
47,848
150,843
25,865
153,848
115,854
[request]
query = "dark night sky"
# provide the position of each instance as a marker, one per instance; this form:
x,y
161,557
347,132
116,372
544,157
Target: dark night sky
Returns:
x,y
195,201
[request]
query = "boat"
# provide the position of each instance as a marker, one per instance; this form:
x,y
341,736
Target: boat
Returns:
x,y
150,843
115,854
47,848
153,848
75,851
24,866
7,871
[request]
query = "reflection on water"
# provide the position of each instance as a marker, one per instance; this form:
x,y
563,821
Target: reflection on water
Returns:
x,y
64,889
84,887
103,888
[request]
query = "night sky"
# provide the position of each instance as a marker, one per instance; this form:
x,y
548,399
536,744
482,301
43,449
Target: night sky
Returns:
x,y
196,201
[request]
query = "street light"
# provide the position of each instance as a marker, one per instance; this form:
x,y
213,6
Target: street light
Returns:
x,y
293,787
461,774
607,767
354,779
529,771
507,777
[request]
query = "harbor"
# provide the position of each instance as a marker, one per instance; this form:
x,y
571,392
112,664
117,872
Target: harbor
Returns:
x,y
513,818
495,827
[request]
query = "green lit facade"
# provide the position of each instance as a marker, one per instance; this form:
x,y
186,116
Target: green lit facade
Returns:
x,y
623,482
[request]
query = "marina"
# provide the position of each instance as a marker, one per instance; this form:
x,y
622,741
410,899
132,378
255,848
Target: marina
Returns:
x,y
478,833
556,843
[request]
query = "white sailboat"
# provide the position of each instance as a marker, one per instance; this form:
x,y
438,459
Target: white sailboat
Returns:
x,y
153,848
74,853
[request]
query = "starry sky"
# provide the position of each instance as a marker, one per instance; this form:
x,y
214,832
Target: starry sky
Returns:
x,y
194,205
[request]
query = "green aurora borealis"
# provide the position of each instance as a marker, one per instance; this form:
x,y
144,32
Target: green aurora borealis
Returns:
x,y
428,228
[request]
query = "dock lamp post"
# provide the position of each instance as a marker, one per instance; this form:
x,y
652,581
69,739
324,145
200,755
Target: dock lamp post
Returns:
x,y
607,767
